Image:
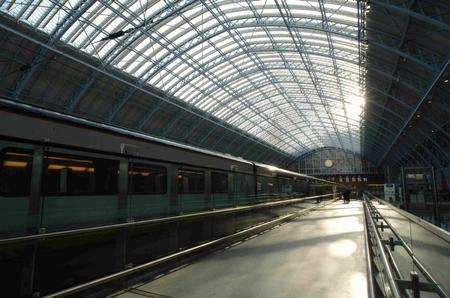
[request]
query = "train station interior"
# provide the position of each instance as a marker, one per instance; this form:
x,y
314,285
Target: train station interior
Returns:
x,y
224,148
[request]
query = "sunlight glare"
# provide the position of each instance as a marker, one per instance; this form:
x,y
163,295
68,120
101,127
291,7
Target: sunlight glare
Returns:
x,y
342,248
355,106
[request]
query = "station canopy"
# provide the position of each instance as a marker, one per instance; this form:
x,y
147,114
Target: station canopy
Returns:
x,y
286,72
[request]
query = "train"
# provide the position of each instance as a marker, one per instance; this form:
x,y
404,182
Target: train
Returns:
x,y
63,172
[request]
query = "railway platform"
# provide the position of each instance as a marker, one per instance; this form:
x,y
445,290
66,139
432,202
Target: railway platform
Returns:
x,y
292,248
318,255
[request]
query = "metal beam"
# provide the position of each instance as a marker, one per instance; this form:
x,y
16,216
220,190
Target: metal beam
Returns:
x,y
406,11
54,37
418,105
130,84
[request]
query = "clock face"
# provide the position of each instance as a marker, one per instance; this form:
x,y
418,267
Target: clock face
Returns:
x,y
328,163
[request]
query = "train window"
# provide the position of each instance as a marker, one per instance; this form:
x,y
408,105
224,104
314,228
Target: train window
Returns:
x,y
79,175
15,172
243,183
219,182
191,181
266,185
301,186
147,179
285,184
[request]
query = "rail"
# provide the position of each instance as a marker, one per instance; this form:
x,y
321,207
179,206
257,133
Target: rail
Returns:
x,y
380,254
398,286
439,232
369,254
159,220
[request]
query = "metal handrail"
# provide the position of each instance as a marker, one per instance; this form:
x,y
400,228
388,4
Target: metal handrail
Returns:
x,y
440,291
158,220
370,278
154,263
439,232
382,254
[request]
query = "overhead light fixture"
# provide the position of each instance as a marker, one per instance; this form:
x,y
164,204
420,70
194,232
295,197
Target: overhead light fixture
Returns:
x,y
446,81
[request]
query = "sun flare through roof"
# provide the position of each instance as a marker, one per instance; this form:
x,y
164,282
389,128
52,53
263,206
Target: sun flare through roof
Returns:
x,y
287,72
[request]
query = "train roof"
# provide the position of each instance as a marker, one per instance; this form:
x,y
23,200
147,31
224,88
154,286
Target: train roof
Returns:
x,y
49,114
287,172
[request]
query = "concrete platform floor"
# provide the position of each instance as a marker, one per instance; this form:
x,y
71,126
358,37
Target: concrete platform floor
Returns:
x,y
321,254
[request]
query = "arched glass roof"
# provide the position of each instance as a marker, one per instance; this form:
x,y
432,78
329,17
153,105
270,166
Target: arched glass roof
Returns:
x,y
285,71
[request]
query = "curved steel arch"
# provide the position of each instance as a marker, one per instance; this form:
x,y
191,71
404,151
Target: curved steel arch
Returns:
x,y
380,147
255,70
233,34
412,88
367,99
403,10
243,93
296,131
268,84
314,49
234,25
256,24
408,136
390,111
293,128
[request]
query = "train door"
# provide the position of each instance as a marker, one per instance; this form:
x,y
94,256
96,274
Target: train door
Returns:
x,y
266,187
79,189
284,186
219,189
191,190
237,191
20,168
240,188
148,187
232,189
249,187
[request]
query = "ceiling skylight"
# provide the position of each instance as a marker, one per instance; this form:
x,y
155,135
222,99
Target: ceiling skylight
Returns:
x,y
285,71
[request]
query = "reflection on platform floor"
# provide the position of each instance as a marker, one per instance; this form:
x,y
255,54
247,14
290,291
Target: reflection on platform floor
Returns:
x,y
318,255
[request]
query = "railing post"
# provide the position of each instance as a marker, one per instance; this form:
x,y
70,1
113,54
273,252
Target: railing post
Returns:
x,y
405,200
436,215
415,286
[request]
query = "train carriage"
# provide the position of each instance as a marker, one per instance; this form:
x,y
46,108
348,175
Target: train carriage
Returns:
x,y
66,172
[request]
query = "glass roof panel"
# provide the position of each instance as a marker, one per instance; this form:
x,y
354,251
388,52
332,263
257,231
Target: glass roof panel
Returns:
x,y
286,71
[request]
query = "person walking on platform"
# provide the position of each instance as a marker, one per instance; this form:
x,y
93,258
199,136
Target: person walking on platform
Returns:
x,y
360,194
346,195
